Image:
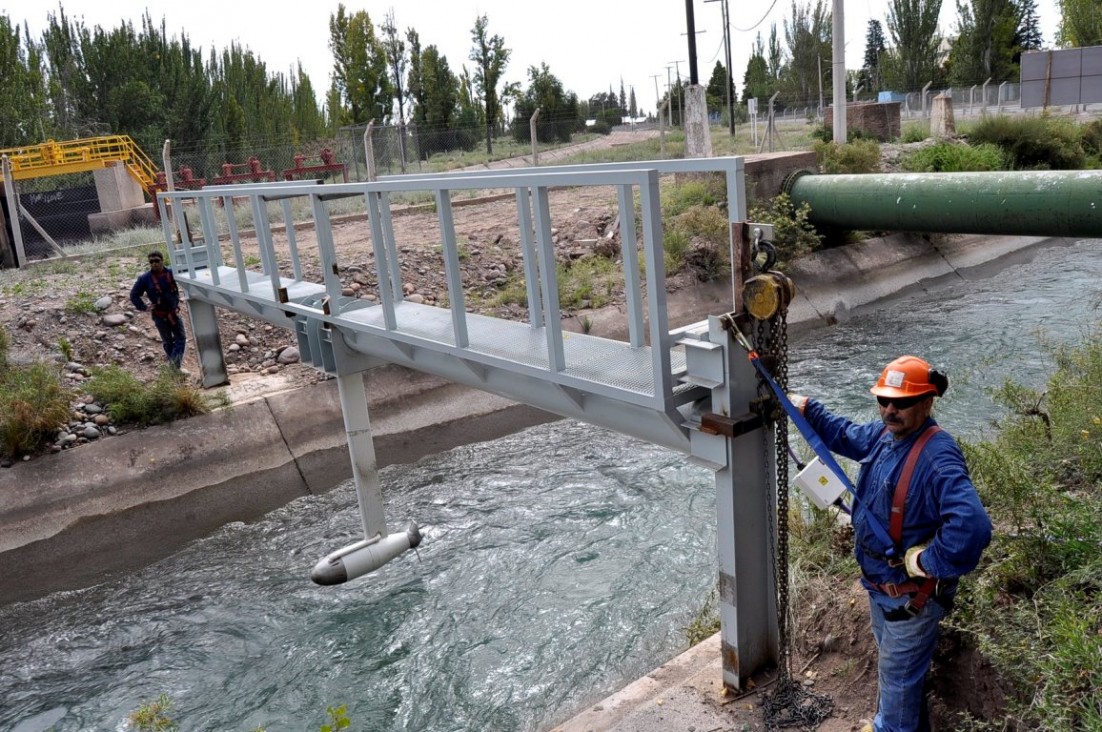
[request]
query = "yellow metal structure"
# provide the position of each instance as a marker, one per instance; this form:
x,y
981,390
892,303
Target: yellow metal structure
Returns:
x,y
78,156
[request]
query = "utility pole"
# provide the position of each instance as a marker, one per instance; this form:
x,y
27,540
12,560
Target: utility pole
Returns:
x,y
727,56
680,110
657,100
838,71
820,115
690,27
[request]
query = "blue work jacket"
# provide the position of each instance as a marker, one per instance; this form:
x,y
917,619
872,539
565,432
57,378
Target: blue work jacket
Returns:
x,y
942,510
163,293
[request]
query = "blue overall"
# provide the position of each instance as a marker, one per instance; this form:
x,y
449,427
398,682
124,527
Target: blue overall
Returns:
x,y
942,511
164,302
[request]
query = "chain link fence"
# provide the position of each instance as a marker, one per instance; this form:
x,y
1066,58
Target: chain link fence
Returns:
x,y
60,212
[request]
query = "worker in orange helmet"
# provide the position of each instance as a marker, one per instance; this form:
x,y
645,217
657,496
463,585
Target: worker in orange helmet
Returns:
x,y
912,480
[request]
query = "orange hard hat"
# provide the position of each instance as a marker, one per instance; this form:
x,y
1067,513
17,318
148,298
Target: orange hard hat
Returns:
x,y
910,376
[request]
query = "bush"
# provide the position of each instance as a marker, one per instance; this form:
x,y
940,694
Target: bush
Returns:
x,y
793,234
861,156
33,405
130,401
1033,143
947,157
701,241
600,128
1041,480
1090,136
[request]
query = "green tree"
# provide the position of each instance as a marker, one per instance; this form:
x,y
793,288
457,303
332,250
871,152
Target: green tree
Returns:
x,y
395,49
716,91
871,77
559,114
359,67
987,43
757,83
808,36
1080,24
490,57
22,88
307,119
1030,37
914,58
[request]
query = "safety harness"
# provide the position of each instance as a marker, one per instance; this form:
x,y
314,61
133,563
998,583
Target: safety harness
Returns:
x,y
919,592
170,282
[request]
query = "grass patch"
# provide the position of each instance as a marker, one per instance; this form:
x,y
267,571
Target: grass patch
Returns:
x,y
81,302
859,156
914,132
947,157
131,401
586,283
1033,143
33,405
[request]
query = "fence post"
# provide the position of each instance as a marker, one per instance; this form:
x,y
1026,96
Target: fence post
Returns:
x,y
999,106
13,212
532,130
369,150
925,110
983,106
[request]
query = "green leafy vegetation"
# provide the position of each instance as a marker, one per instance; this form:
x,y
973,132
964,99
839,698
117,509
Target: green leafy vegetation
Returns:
x,y
33,404
130,401
793,234
81,302
587,282
914,132
860,156
948,157
1040,477
153,716
1033,143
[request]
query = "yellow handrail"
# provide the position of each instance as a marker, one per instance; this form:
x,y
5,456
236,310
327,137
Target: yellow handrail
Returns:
x,y
75,156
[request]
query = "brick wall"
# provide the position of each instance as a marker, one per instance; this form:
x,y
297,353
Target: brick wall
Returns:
x,y
875,119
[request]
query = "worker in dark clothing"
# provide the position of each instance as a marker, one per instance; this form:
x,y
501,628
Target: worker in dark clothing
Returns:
x,y
913,481
159,286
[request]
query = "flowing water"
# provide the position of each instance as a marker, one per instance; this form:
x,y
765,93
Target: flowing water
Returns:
x,y
558,564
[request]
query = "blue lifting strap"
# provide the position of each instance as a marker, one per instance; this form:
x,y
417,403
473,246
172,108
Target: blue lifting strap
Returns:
x,y
822,451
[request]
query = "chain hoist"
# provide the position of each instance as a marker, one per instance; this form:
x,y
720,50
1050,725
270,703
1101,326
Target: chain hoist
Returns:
x,y
766,297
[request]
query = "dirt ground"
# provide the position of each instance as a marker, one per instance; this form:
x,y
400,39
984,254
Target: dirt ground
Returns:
x,y
833,648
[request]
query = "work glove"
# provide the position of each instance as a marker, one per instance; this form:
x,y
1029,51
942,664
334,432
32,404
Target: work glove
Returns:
x,y
799,401
912,563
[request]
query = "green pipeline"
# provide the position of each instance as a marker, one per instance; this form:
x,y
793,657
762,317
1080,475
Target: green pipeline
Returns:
x,y
1021,203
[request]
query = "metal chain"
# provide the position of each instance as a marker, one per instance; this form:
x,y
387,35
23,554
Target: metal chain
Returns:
x,y
789,705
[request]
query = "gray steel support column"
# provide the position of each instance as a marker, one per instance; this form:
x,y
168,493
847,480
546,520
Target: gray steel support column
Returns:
x,y
745,504
361,449
208,343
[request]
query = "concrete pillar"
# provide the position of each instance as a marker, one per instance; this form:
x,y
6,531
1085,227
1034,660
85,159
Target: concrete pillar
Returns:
x,y
941,117
698,133
117,190
208,343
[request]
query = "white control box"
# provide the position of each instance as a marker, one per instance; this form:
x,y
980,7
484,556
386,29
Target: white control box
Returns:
x,y
820,484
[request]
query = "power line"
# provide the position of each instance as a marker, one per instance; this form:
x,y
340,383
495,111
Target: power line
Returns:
x,y
755,25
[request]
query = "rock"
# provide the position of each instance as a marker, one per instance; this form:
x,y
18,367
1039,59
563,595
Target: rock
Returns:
x,y
91,432
92,409
114,319
348,292
68,439
6,463
101,420
408,288
288,355
241,339
417,299
234,348
74,366
272,370
103,303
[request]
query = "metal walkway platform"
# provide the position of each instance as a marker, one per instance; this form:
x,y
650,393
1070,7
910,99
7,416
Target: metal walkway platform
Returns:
x,y
656,384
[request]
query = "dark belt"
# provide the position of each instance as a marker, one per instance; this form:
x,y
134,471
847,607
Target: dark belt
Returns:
x,y
918,592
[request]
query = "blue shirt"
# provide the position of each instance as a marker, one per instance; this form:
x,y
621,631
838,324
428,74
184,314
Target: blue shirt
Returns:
x,y
942,510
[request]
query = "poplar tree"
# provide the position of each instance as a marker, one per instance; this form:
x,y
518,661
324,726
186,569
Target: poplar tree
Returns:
x,y
359,67
490,57
914,58
987,44
1080,24
395,49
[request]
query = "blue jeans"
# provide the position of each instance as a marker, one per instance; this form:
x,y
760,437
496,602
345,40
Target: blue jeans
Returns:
x,y
906,649
173,337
